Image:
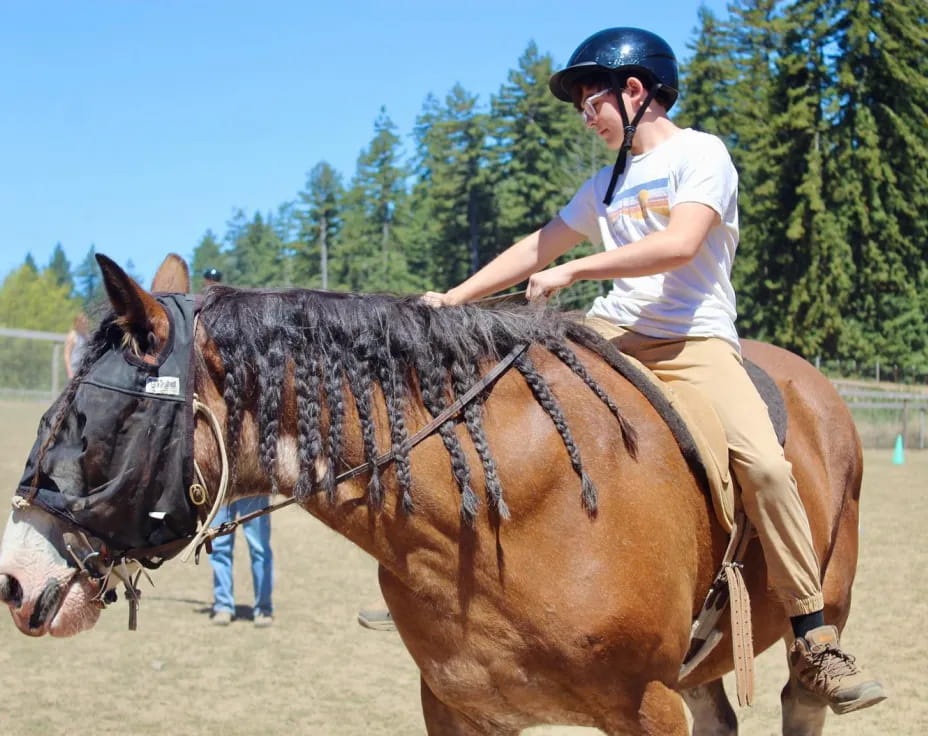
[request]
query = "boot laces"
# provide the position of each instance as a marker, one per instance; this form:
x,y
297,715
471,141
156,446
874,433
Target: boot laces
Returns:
x,y
831,662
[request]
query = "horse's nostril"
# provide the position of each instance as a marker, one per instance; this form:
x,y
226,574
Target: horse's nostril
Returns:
x,y
11,591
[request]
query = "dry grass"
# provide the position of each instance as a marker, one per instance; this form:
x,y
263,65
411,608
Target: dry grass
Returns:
x,y
316,672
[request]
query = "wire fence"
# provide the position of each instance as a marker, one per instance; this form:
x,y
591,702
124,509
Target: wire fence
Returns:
x,y
874,371
31,364
32,367
884,413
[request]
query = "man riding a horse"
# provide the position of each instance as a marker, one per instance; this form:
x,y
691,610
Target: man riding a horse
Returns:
x,y
544,540
667,217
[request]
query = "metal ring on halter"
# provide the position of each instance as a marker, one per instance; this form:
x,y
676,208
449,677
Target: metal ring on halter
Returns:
x,y
197,494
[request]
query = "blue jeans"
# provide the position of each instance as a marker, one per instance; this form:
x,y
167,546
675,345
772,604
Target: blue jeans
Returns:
x,y
258,535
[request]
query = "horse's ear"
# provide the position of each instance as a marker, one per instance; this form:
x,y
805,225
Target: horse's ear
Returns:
x,y
137,311
173,277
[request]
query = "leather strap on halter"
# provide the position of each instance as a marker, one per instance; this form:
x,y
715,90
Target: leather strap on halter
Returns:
x,y
206,536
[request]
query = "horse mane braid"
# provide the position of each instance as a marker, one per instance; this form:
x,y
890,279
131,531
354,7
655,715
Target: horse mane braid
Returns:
x,y
550,404
368,345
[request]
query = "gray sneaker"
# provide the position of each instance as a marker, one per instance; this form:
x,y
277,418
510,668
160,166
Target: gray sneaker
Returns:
x,y
378,619
263,620
222,618
833,676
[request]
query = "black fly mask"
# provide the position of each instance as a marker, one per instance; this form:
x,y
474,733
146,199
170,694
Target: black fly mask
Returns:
x,y
121,459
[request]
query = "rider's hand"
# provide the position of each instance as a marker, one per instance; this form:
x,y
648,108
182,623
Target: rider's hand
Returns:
x,y
544,284
437,299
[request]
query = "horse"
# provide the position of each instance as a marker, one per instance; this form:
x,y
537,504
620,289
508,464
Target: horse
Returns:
x,y
543,544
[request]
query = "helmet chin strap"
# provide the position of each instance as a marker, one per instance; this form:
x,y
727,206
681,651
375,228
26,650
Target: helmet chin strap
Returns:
x,y
630,128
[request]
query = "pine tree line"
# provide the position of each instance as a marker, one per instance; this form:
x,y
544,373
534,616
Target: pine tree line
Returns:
x,y
476,179
823,105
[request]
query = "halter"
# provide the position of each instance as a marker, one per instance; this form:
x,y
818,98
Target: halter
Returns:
x,y
150,467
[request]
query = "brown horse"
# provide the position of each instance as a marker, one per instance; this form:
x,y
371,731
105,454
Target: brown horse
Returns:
x,y
543,553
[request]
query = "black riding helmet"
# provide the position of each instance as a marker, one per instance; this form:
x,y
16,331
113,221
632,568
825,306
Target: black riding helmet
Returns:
x,y
212,274
621,53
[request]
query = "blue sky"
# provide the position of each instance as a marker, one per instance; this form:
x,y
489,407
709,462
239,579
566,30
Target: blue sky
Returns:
x,y
136,126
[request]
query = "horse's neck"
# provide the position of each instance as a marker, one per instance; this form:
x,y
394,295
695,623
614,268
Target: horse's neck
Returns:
x,y
385,530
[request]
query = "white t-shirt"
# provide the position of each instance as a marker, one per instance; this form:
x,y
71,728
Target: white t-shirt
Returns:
x,y
697,298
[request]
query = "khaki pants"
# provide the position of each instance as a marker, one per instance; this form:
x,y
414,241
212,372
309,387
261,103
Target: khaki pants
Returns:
x,y
768,489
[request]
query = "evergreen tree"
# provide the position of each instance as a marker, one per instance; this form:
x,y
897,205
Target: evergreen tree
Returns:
x,y
368,255
89,283
207,254
60,268
706,80
536,136
30,263
319,221
453,195
754,41
805,264
286,222
542,156
881,175
256,254
132,273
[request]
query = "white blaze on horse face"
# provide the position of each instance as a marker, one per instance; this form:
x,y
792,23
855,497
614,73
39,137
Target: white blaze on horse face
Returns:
x,y
28,556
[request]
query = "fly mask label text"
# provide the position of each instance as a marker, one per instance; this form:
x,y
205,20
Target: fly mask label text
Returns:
x,y
163,385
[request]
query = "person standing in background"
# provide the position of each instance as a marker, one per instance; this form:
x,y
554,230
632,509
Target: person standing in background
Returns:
x,y
211,276
75,343
257,534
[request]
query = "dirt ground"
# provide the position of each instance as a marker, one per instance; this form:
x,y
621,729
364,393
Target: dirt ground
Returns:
x,y
316,672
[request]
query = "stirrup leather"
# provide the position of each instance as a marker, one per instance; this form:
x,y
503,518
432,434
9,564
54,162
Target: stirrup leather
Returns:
x,y
727,589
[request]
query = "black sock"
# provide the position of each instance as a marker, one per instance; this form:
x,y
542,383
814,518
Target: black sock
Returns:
x,y
803,624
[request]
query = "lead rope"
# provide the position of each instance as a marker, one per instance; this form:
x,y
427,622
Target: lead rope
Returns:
x,y
197,491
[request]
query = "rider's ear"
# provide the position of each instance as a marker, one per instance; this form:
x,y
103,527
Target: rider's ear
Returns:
x,y
635,86
136,310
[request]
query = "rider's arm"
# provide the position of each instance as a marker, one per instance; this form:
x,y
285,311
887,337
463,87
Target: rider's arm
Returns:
x,y
514,264
677,245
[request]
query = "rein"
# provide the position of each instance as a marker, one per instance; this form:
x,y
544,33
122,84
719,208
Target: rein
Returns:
x,y
206,533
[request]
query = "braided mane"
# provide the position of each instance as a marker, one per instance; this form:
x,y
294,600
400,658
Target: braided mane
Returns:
x,y
340,342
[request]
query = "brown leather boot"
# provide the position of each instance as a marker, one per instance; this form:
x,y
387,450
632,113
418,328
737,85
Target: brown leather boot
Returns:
x,y
823,670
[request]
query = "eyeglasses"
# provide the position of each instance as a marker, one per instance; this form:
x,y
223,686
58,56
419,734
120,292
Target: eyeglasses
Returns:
x,y
588,109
